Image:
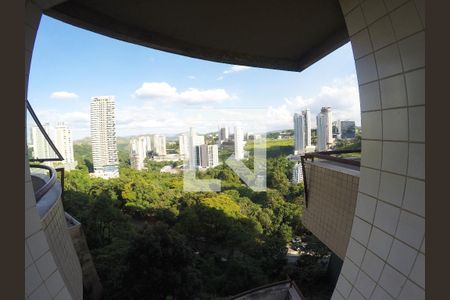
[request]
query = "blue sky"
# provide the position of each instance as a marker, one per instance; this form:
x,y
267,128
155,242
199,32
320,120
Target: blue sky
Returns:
x,y
156,91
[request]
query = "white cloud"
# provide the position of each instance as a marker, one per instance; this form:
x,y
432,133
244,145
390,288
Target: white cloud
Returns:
x,y
165,92
341,95
235,68
63,95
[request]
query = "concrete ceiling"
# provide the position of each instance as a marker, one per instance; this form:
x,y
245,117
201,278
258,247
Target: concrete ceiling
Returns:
x,y
287,35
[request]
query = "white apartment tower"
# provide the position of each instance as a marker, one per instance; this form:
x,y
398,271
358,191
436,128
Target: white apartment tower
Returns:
x,y
139,147
64,144
41,148
184,142
208,155
239,143
297,173
159,144
324,129
103,133
223,135
302,131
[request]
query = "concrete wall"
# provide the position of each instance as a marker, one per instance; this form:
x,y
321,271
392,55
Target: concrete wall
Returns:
x,y
385,258
332,193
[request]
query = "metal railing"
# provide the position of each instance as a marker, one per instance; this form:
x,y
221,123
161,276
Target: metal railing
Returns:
x,y
327,155
48,185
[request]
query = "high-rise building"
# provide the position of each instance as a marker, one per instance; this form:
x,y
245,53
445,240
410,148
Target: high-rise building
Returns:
x,y
345,129
302,131
188,147
207,155
159,144
41,147
324,129
103,136
139,149
223,135
64,144
297,173
239,143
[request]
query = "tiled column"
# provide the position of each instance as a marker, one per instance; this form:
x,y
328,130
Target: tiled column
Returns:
x,y
385,257
42,278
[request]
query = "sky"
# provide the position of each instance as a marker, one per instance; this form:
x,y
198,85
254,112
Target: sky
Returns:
x,y
163,93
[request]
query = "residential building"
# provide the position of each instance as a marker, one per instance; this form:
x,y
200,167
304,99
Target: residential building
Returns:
x,y
324,129
41,147
239,143
302,131
223,135
103,136
297,173
159,145
64,144
207,156
139,150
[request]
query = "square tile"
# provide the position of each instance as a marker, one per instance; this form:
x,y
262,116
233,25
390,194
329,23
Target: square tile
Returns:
x,y
361,231
369,95
412,291
349,270
40,293
386,217
365,285
417,124
391,188
366,69
32,221
29,195
355,251
381,33
406,20
371,154
63,295
416,161
380,294
402,257
412,51
32,279
337,296
355,21
355,295
46,265
37,244
343,286
411,229
371,125
368,181
380,243
348,5
372,265
365,207
392,281
388,61
54,283
361,44
373,9
414,199
420,5
393,92
28,258
395,158
395,124
415,86
422,248
418,271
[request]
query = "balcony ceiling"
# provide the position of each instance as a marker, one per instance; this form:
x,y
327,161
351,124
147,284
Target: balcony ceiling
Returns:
x,y
287,35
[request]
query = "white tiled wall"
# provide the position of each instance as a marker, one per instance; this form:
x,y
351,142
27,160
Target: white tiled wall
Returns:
x,y
386,255
41,274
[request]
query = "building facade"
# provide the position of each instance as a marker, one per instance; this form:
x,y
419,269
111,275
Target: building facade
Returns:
x,y
302,131
239,143
223,135
207,156
324,129
297,173
64,144
103,134
344,129
159,145
41,148
139,150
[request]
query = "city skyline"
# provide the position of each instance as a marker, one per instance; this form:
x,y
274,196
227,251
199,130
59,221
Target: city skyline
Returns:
x,y
154,89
